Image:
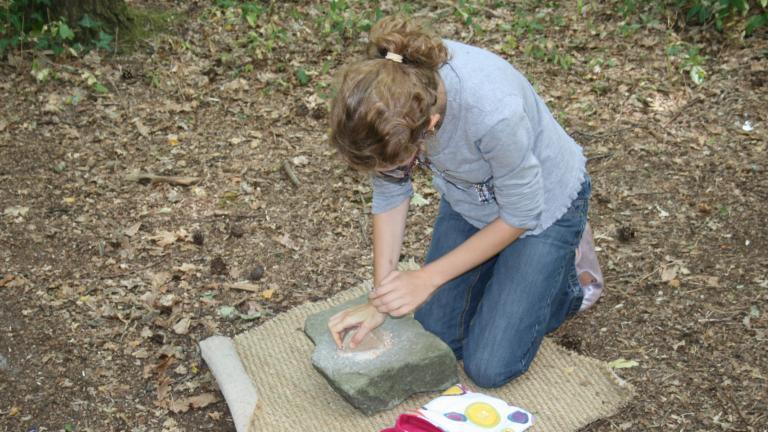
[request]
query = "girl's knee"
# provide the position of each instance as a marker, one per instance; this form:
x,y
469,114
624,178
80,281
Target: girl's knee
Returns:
x,y
493,374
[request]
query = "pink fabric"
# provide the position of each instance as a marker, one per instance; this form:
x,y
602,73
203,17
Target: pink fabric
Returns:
x,y
412,423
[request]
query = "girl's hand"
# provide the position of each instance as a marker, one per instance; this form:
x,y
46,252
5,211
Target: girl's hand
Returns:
x,y
402,292
364,317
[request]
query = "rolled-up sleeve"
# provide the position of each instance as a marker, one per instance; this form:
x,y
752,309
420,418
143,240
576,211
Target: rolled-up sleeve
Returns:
x,y
508,149
388,195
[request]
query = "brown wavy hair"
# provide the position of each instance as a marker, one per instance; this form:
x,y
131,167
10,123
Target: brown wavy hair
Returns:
x,y
382,108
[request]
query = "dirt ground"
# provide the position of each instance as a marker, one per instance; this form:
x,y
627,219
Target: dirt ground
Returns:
x,y
108,281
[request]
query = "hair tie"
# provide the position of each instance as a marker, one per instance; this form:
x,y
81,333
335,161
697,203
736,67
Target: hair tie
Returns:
x,y
397,58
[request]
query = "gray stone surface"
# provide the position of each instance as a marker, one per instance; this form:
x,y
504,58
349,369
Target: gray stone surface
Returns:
x,y
400,359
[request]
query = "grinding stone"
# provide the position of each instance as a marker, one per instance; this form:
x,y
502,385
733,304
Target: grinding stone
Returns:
x,y
401,359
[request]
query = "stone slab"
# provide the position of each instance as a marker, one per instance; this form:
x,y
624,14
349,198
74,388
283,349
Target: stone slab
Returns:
x,y
400,359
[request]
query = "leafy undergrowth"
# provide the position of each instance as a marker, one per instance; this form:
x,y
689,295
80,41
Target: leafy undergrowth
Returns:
x,y
109,279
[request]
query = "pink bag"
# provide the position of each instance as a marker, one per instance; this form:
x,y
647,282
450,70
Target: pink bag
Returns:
x,y
586,262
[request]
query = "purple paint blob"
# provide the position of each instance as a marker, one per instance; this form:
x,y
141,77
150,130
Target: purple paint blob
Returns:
x,y
518,417
456,416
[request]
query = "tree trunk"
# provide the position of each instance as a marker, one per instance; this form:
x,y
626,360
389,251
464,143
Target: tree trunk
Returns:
x,y
111,13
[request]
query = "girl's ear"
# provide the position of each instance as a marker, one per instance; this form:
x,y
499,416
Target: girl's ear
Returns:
x,y
434,119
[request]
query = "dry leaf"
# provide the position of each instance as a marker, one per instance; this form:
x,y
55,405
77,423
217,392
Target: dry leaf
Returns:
x,y
146,178
141,353
163,389
286,241
268,293
165,238
623,363
143,130
17,282
187,268
167,300
132,230
160,367
182,327
235,85
668,273
199,401
5,280
159,279
16,211
173,139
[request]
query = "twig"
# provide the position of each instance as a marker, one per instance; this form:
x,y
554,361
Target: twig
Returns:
x,y
715,320
600,156
146,178
127,272
243,286
729,396
602,135
690,103
291,174
640,279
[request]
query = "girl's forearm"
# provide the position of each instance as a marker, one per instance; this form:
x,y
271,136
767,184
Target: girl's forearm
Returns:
x,y
388,232
484,244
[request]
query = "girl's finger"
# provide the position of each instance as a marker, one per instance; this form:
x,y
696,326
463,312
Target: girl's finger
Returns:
x,y
391,303
336,334
339,328
384,300
380,290
385,286
360,333
400,311
332,320
391,276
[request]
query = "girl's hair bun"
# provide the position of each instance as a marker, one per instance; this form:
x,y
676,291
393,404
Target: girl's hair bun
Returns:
x,y
408,38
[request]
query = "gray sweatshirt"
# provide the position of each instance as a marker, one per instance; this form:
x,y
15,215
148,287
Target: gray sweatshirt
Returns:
x,y
499,151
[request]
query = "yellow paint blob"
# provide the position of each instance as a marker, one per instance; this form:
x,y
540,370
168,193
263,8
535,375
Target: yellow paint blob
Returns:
x,y
482,414
453,391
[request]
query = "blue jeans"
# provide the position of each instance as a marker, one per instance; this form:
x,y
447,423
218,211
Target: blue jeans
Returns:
x,y
495,316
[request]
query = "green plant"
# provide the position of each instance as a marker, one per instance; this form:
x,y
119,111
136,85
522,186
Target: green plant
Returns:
x,y
250,12
466,11
345,22
302,76
93,82
29,23
263,40
627,8
752,14
40,73
690,60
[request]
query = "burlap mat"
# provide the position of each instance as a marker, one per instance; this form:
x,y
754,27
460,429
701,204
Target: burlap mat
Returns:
x,y
565,391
